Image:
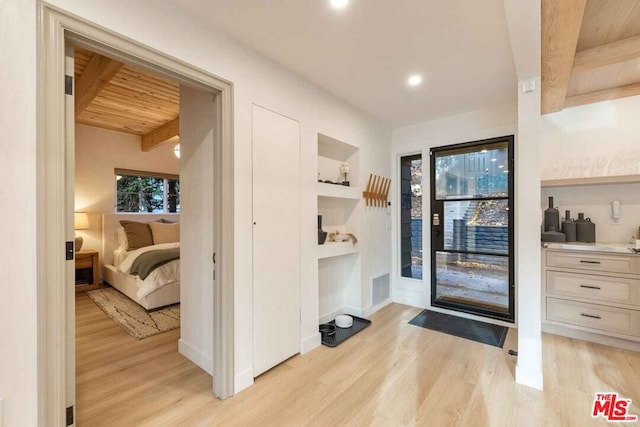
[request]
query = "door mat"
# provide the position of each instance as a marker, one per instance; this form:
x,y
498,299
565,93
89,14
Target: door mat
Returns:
x,y
342,334
481,332
131,317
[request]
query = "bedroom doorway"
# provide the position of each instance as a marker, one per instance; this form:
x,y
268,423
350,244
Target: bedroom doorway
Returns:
x,y
56,145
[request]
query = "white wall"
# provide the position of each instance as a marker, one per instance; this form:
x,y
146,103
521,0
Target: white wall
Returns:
x,y
592,140
419,138
98,153
256,80
18,296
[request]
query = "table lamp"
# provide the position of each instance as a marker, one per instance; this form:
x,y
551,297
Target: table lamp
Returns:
x,y
81,222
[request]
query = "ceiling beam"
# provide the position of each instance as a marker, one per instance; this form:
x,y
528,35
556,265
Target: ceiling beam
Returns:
x,y
610,53
96,75
603,95
561,22
158,136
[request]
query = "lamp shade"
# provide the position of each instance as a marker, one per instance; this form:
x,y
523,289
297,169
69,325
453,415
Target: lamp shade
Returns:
x,y
81,221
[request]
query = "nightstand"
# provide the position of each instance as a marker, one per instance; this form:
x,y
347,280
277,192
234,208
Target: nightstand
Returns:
x,y
87,264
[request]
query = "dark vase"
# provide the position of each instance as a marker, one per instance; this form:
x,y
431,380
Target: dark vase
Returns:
x,y
551,217
569,227
585,229
322,235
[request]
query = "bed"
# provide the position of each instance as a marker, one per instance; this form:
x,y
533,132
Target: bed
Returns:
x,y
162,286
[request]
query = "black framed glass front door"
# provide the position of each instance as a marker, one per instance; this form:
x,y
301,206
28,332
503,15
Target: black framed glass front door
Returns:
x,y
472,228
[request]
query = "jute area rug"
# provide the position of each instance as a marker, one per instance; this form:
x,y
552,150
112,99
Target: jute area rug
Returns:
x,y
132,317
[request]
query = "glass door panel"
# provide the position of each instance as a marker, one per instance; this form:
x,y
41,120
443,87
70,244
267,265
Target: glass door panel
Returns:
x,y
472,228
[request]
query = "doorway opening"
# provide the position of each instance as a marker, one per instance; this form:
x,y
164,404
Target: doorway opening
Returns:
x,y
56,268
472,205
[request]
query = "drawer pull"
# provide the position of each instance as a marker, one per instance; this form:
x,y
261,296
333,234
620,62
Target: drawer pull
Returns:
x,y
589,287
590,315
589,262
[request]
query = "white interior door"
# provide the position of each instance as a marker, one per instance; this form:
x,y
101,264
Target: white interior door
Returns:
x,y
197,226
276,239
70,169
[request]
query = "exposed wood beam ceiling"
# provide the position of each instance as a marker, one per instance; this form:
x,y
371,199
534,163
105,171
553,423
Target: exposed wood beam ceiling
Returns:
x,y
116,96
605,61
165,133
561,21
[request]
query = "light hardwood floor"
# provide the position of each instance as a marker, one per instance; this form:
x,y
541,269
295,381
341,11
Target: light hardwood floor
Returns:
x,y
391,374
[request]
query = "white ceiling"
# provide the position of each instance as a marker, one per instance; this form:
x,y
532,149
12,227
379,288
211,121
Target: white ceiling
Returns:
x,y
365,53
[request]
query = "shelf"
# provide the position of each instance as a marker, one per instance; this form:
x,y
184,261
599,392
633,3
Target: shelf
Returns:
x,y
338,191
334,249
598,180
332,148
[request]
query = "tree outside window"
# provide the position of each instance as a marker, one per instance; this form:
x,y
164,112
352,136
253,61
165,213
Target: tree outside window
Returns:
x,y
146,192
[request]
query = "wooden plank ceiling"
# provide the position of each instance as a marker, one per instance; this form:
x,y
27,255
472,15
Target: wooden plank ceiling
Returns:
x,y
116,96
590,51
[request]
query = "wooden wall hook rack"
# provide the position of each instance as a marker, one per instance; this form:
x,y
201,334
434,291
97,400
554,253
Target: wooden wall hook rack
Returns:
x,y
377,192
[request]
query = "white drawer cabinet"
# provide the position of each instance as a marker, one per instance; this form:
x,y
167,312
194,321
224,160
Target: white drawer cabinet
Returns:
x,y
595,316
593,262
594,292
598,289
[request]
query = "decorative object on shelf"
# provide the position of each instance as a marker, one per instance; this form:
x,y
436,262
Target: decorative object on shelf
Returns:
x,y
342,237
569,227
80,222
344,170
553,236
377,192
322,235
585,229
551,217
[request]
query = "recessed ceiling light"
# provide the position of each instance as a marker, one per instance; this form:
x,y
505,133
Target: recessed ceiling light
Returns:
x,y
339,4
414,80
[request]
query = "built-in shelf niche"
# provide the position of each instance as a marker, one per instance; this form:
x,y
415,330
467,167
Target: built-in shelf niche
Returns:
x,y
334,249
338,214
339,278
332,153
339,263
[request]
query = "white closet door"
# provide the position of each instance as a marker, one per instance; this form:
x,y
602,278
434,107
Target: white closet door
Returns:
x,y
276,239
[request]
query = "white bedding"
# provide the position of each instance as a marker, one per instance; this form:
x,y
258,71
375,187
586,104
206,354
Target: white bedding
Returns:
x,y
164,275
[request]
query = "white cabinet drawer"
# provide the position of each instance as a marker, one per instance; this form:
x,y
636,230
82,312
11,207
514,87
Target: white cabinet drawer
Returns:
x,y
600,318
596,288
609,263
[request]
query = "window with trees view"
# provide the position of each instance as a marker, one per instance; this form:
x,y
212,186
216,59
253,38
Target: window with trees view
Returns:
x,y
146,192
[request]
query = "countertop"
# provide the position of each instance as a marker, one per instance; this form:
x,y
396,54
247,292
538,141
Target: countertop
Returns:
x,y
624,248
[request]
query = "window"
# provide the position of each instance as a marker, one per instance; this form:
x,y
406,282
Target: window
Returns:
x,y
411,216
146,192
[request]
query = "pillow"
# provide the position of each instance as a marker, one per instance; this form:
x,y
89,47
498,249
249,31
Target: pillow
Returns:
x,y
122,238
138,234
164,233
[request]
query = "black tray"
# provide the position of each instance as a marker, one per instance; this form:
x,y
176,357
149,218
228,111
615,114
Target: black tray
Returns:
x,y
343,334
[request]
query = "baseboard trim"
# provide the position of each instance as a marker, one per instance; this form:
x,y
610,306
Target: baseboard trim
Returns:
x,y
328,317
372,309
243,380
591,337
529,378
196,356
312,342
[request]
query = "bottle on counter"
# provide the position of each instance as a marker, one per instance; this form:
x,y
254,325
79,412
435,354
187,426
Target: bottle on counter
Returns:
x,y
569,227
551,217
585,229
